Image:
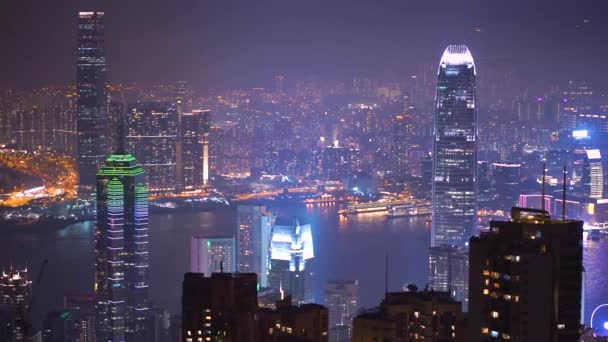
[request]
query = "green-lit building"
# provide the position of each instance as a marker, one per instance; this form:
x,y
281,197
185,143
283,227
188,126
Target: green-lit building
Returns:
x,y
121,250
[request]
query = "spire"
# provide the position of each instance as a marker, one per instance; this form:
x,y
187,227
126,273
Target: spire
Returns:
x,y
121,132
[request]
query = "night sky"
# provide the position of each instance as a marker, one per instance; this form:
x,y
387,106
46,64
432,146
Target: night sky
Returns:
x,y
244,43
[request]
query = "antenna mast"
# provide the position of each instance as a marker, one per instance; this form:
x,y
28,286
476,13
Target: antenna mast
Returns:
x,y
564,195
542,189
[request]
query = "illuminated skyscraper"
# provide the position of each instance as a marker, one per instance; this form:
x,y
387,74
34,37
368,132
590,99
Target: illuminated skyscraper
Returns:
x,y
454,172
455,149
212,254
195,148
593,175
121,250
180,94
92,120
342,301
254,228
291,247
15,289
152,136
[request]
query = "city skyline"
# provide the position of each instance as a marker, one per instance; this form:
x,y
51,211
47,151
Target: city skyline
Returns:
x,y
204,147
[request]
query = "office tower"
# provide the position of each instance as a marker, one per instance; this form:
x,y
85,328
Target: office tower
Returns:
x,y
180,94
212,254
290,249
151,136
283,134
306,322
221,307
402,135
15,291
92,119
593,175
526,279
342,301
505,183
574,209
449,271
66,135
81,310
254,229
454,149
195,148
121,250
412,316
427,173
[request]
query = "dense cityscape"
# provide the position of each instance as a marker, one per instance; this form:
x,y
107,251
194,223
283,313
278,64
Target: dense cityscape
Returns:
x,y
448,203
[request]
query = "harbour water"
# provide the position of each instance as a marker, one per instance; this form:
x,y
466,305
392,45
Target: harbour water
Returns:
x,y
352,247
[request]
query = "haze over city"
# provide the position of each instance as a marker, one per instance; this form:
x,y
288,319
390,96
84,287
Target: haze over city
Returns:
x,y
335,171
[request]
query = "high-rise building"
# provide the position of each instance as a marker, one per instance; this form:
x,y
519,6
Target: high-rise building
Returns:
x,y
427,173
342,301
505,183
92,118
455,149
15,290
526,279
288,322
254,229
212,254
412,316
593,175
195,148
221,307
291,247
402,135
151,136
180,97
449,271
121,250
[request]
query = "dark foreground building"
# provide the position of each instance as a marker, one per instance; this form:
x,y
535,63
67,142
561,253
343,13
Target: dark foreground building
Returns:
x,y
307,322
221,307
412,316
526,279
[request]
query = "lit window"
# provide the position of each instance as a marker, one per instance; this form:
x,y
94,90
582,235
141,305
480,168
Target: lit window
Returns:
x,y
495,314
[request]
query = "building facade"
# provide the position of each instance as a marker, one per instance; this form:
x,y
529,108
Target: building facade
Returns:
x,y
121,250
291,248
342,301
212,254
152,137
254,229
92,118
455,149
526,279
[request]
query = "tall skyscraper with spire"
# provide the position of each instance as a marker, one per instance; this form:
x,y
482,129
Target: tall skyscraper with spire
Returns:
x,y
454,171
92,119
455,149
121,249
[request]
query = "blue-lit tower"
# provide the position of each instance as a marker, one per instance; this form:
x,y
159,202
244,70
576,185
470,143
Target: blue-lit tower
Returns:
x,y
455,149
92,120
454,173
121,250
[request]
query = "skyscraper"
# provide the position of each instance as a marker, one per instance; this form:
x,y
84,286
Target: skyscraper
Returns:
x,y
152,136
291,247
212,254
121,250
593,175
195,148
455,149
254,228
92,118
526,279
454,172
180,94
15,289
342,301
